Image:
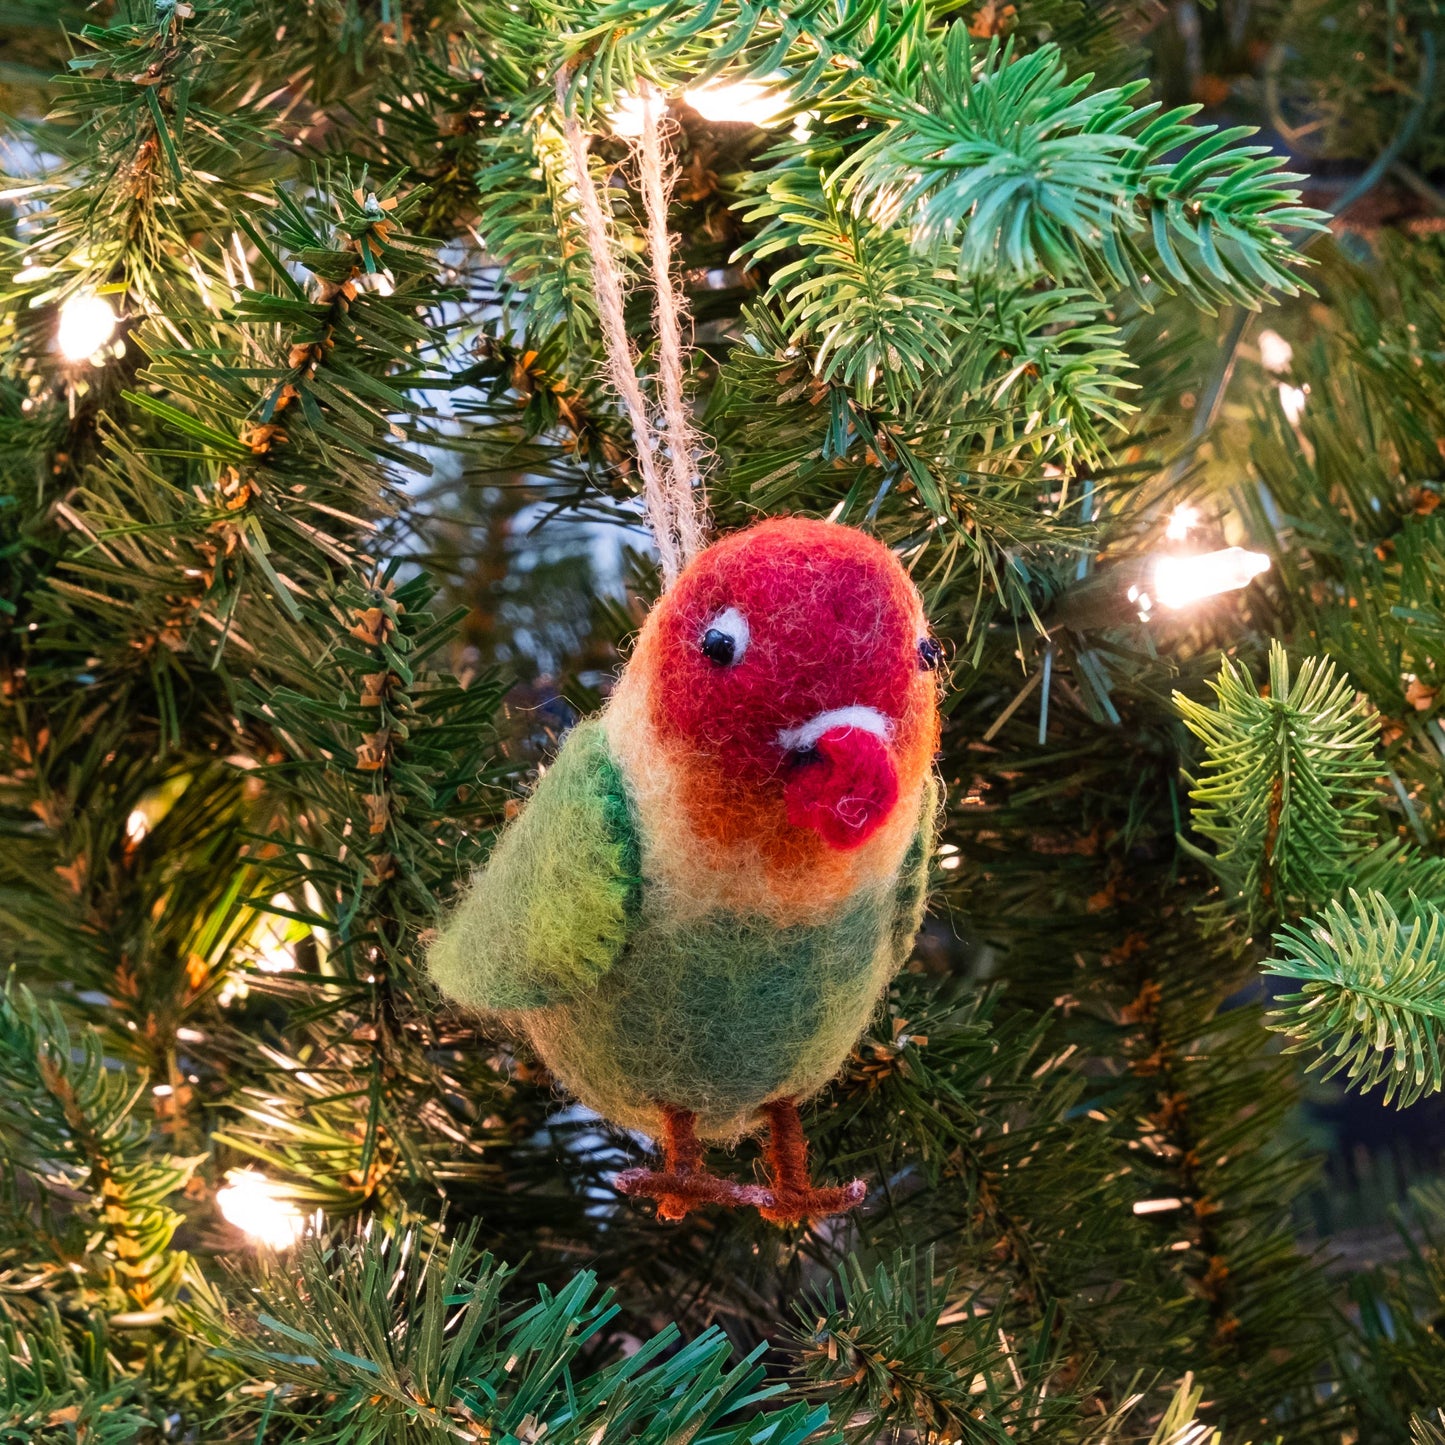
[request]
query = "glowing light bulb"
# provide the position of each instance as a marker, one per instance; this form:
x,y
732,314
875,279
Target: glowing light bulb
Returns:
x,y
1157,1206
1182,521
1275,353
86,324
259,1208
233,990
270,940
1292,399
1178,581
136,827
741,102
627,115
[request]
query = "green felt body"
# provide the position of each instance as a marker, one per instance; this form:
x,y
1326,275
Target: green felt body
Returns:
x,y
630,1009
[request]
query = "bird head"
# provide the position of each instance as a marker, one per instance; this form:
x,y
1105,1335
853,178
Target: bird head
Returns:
x,y
791,674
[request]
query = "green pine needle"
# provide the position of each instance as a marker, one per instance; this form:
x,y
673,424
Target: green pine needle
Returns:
x,y
1285,789
1428,1432
1029,171
380,1338
1373,995
52,1394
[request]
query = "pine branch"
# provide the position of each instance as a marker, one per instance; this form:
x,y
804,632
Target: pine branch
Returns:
x,y
376,757
529,223
1029,172
1178,1425
1284,790
70,1122
1424,1431
899,1350
52,1395
429,1341
873,310
1373,994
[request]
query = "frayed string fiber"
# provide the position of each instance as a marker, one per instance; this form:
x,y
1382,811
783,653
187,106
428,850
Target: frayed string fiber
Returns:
x,y
607,283
674,498
656,168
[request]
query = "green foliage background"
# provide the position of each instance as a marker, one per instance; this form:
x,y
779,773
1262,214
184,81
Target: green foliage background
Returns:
x,y
303,574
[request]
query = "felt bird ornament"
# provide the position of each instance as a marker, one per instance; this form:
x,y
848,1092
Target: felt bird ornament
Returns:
x,y
696,913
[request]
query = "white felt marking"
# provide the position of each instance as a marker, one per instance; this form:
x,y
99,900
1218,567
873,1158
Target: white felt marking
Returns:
x,y
735,625
806,735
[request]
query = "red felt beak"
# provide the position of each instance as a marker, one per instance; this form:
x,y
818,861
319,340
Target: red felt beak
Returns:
x,y
843,788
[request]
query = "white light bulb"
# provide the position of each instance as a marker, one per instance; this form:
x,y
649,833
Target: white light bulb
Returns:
x,y
627,116
742,102
1275,353
259,1208
86,324
136,827
1182,521
270,941
232,990
1178,581
1292,399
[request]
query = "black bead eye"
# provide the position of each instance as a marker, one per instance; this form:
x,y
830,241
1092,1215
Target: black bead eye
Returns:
x,y
726,638
718,647
930,653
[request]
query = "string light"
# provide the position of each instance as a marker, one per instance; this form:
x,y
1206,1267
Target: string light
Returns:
x,y
1182,521
732,102
1275,353
137,825
1292,399
270,941
259,1208
233,990
627,115
739,102
86,324
1180,580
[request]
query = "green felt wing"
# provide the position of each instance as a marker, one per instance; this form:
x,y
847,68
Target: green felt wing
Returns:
x,y
548,914
910,897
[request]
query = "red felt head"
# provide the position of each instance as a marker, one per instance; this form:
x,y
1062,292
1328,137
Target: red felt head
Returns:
x,y
786,675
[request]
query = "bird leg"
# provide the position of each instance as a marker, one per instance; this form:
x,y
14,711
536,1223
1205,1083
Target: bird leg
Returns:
x,y
792,1196
683,1184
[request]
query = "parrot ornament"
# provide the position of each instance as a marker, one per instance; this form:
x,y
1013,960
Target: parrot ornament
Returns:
x,y
696,913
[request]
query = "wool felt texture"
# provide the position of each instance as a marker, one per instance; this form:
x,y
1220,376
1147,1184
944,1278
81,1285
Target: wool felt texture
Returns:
x,y
550,914
847,792
834,622
654,921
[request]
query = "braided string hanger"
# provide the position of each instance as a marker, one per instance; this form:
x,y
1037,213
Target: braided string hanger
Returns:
x,y
672,489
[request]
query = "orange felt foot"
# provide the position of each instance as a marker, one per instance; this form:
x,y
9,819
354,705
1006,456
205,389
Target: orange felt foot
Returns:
x,y
792,1206
678,1194
792,1196
682,1184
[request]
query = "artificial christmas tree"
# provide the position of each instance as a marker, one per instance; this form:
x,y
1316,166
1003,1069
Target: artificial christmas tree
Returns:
x,y
320,518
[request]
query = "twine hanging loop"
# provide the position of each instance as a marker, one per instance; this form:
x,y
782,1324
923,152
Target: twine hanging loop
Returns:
x,y
668,446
